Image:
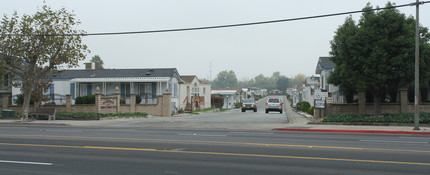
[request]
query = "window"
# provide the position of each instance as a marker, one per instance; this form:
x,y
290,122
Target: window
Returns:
x,y
6,82
204,91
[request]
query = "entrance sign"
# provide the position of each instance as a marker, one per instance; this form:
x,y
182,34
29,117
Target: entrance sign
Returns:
x,y
319,104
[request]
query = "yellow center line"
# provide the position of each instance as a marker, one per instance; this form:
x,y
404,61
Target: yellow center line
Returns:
x,y
220,142
217,153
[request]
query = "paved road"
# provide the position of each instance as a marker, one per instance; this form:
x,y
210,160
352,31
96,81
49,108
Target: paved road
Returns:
x,y
77,150
229,120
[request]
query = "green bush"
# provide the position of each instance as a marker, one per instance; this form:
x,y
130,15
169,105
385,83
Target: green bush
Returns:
x,y
88,99
299,106
385,118
310,111
180,110
20,100
305,106
94,116
237,104
49,104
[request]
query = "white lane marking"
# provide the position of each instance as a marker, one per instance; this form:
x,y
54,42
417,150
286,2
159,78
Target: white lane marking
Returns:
x,y
23,162
178,149
61,130
392,141
415,138
205,135
256,133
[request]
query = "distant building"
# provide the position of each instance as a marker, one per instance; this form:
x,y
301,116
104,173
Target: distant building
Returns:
x,y
229,97
147,83
194,93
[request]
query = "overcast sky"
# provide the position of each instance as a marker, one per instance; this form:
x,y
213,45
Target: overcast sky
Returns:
x,y
289,47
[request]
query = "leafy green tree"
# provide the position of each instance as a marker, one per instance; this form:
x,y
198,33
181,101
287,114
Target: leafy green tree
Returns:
x,y
98,61
283,83
264,82
377,52
298,80
2,69
34,46
225,79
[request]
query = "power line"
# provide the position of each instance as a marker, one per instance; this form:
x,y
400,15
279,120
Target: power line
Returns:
x,y
241,24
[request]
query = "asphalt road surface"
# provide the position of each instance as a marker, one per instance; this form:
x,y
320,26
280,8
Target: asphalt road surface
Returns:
x,y
83,150
229,120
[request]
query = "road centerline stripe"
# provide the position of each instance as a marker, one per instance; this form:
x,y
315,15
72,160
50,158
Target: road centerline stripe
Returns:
x,y
220,142
212,153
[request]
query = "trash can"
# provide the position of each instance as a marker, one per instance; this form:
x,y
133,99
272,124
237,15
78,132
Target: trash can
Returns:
x,y
7,113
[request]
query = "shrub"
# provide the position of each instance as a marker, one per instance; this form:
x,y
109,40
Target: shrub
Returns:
x,y
384,118
305,106
88,99
299,106
50,104
94,116
237,104
310,111
180,110
20,100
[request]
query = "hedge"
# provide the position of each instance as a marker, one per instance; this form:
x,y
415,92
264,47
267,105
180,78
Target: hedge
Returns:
x,y
384,118
94,116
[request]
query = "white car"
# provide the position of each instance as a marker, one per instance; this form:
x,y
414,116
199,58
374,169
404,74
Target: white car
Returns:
x,y
274,104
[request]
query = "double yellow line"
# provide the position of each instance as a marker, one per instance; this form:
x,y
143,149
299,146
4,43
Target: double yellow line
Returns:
x,y
215,153
218,142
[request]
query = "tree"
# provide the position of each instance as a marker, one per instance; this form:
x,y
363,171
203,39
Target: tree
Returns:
x,y
264,82
34,46
2,69
298,79
225,79
98,61
283,83
377,52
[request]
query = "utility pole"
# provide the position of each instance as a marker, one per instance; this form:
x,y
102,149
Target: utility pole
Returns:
x,y
417,69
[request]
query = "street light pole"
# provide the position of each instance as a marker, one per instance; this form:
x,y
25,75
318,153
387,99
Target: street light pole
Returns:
x,y
417,69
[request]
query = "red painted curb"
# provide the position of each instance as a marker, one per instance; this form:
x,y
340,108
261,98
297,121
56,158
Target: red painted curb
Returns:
x,y
358,131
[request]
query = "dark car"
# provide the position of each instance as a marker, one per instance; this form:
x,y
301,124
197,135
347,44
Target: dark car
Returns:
x,y
249,104
274,104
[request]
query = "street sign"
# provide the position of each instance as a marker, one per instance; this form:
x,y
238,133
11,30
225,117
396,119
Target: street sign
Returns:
x,y
324,94
318,94
319,104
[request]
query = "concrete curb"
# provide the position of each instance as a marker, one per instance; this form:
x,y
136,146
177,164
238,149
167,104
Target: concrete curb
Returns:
x,y
357,131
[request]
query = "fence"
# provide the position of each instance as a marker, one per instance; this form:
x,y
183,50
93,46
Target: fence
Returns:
x,y
109,105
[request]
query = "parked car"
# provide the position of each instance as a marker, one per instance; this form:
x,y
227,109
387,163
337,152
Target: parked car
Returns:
x,y
249,104
274,104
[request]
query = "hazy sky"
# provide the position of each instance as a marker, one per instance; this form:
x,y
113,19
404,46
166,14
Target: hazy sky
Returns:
x,y
289,47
